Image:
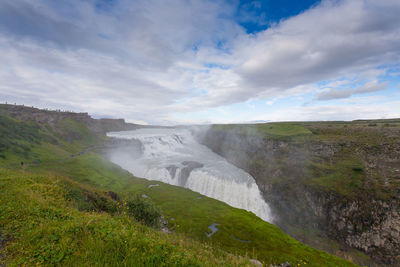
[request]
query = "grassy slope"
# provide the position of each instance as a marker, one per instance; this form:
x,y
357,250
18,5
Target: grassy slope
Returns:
x,y
46,228
17,137
268,244
346,174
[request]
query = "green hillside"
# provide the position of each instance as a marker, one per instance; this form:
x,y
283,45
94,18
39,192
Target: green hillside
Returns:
x,y
54,210
44,227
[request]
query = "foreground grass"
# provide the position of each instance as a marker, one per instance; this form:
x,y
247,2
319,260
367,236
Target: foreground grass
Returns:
x,y
43,227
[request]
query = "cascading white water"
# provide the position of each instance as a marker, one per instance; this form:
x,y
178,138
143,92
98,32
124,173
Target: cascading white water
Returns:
x,y
173,156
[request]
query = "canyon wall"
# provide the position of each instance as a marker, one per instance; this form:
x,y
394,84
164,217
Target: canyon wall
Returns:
x,y
343,181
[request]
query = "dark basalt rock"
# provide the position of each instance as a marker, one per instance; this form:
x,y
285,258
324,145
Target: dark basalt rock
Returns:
x,y
172,170
185,171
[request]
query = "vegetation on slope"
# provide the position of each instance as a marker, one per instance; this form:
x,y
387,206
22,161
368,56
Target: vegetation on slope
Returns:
x,y
47,221
17,137
43,226
271,130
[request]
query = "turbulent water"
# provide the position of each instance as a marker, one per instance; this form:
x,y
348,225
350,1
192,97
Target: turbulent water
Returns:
x,y
173,156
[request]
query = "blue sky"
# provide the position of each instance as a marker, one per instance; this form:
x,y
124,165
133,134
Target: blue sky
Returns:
x,y
256,16
188,61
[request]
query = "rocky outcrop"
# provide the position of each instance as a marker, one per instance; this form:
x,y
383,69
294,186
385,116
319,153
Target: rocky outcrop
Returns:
x,y
368,225
375,231
184,173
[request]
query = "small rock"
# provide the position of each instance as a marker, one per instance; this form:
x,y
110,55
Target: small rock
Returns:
x,y
286,264
164,225
256,262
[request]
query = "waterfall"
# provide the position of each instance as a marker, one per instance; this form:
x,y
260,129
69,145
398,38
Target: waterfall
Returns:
x,y
173,156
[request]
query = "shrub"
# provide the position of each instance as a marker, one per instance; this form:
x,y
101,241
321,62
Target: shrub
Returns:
x,y
144,211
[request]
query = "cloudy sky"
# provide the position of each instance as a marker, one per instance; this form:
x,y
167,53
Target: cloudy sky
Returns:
x,y
200,61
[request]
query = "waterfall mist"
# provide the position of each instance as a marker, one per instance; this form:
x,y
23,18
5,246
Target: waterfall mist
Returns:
x,y
173,156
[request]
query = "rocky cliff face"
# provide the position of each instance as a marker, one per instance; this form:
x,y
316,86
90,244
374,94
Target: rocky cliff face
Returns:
x,y
375,231
343,182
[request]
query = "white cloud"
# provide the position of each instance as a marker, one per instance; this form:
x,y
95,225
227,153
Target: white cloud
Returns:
x,y
335,39
369,87
149,60
365,110
372,86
